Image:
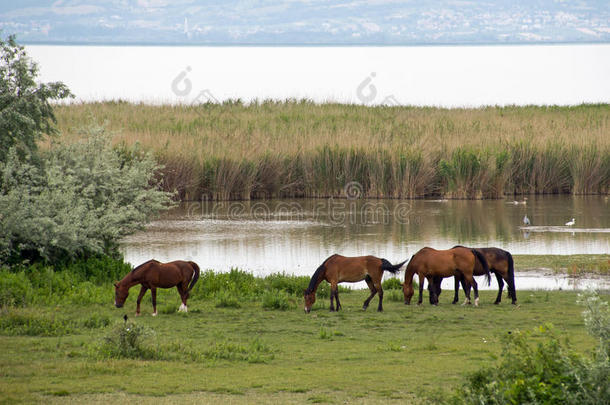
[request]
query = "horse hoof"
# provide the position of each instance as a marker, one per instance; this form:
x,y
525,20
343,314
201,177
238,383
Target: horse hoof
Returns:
x,y
476,302
497,303
138,314
154,314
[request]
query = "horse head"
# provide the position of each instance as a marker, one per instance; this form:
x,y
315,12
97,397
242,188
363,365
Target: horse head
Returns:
x,y
120,294
310,298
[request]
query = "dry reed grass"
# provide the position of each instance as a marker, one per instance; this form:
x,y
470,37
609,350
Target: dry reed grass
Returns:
x,y
302,149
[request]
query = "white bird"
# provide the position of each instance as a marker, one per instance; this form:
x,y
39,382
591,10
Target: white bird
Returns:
x,y
570,223
526,220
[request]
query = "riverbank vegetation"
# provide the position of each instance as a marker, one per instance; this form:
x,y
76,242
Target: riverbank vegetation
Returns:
x,y
574,265
301,149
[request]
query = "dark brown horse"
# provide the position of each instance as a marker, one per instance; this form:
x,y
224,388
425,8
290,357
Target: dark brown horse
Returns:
x,y
152,275
338,269
502,265
433,265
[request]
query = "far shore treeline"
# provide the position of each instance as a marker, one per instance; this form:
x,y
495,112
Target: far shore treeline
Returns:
x,y
297,148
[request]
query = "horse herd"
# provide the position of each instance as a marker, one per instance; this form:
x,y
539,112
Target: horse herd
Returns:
x,y
429,264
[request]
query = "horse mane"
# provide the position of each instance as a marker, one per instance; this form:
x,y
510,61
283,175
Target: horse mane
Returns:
x,y
316,275
481,258
409,266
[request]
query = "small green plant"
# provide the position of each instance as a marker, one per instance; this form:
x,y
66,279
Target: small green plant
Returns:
x,y
392,283
226,299
278,300
127,340
325,333
394,295
15,289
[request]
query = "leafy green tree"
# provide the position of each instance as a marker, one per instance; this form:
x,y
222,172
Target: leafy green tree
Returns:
x,y
25,106
79,202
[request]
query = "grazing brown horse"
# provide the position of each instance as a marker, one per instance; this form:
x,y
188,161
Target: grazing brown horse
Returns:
x,y
152,275
502,265
338,269
433,265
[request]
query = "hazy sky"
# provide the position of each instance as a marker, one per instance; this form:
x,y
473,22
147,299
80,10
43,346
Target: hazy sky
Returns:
x,y
306,21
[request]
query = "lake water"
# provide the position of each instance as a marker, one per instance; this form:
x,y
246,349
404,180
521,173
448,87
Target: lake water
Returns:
x,y
420,75
295,236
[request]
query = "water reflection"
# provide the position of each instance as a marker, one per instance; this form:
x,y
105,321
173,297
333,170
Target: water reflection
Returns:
x,y
296,235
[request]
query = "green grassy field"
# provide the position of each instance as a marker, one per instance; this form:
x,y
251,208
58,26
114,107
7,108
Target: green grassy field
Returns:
x,y
253,355
301,149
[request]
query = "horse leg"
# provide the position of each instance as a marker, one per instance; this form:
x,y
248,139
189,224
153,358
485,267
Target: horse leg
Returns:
x,y
183,296
333,291
500,287
432,291
466,286
337,299
422,279
456,296
437,289
380,292
369,282
512,293
153,292
142,292
475,287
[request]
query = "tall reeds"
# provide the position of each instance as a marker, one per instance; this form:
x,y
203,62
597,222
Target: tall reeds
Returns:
x,y
300,149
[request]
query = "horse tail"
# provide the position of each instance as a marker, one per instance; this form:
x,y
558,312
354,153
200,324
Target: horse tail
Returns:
x,y
479,256
511,276
387,266
195,276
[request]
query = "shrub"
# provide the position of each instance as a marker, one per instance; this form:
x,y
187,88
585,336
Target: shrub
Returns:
x,y
225,299
548,373
127,340
392,283
278,300
293,285
15,289
237,282
79,204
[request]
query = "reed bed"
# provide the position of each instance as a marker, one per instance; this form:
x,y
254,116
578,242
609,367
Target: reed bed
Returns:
x,y
295,148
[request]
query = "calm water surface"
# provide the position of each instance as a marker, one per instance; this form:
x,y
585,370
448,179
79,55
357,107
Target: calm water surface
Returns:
x,y
295,236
